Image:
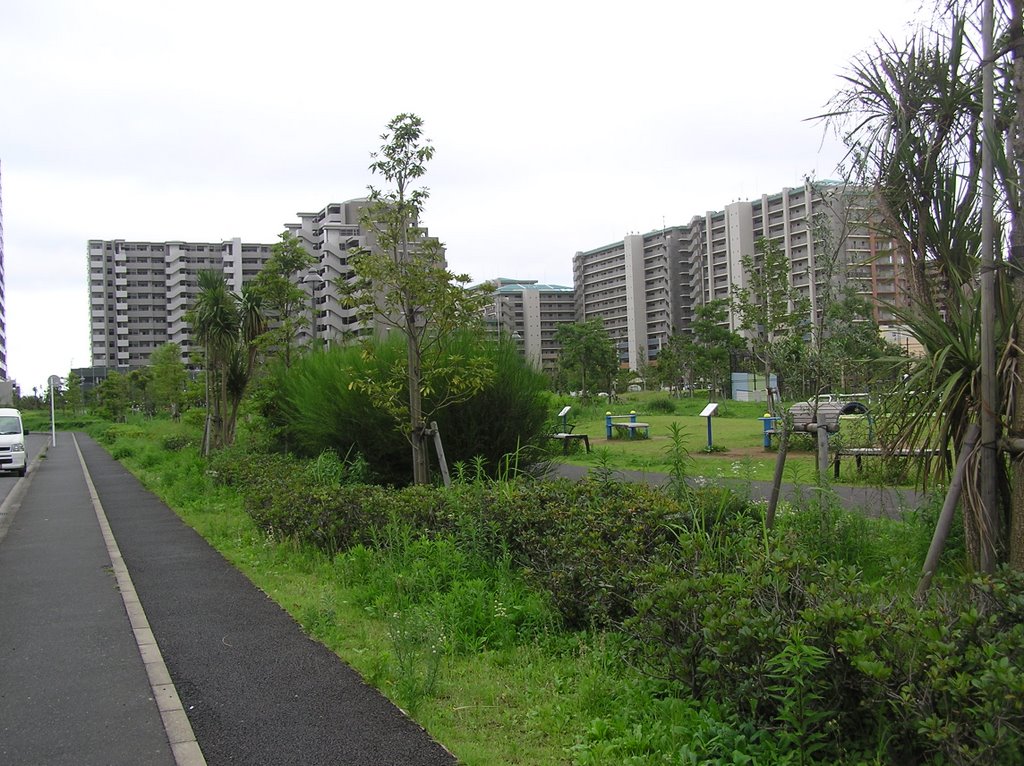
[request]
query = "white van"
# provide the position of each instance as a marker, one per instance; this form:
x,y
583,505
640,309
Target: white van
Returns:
x,y
12,442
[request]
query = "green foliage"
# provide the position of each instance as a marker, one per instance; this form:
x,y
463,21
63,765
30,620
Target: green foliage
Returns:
x,y
283,301
588,356
112,396
767,650
169,378
662,404
770,308
72,394
403,285
702,354
175,442
317,409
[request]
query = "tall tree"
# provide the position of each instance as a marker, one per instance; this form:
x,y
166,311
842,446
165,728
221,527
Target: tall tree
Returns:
x,y
402,284
283,302
588,355
214,319
112,394
169,377
771,310
713,343
73,396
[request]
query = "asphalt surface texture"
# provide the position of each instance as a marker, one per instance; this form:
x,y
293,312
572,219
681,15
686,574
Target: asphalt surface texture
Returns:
x,y
871,501
73,688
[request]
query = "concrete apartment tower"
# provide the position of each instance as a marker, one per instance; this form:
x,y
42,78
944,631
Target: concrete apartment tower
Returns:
x,y
530,313
330,235
3,297
639,287
139,293
647,286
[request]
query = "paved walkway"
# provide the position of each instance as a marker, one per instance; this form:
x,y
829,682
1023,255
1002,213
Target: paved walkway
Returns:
x,y
82,683
873,501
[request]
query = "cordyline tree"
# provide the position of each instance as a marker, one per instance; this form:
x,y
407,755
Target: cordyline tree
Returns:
x,y
402,284
911,114
227,326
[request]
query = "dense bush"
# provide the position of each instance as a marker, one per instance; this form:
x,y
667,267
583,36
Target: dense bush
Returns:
x,y
662,405
837,666
316,409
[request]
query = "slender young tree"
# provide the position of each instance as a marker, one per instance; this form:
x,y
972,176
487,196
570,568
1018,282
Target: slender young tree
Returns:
x,y
771,310
168,378
402,284
282,302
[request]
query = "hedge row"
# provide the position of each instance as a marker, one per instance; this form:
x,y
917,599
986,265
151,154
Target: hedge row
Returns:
x,y
842,670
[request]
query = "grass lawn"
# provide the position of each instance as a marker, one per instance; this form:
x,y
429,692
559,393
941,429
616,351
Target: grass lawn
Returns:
x,y
737,437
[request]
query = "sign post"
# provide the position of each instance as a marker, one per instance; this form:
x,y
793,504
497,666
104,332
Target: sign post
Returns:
x,y
707,412
54,381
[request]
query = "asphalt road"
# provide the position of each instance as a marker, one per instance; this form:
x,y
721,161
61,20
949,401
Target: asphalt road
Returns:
x,y
73,688
871,501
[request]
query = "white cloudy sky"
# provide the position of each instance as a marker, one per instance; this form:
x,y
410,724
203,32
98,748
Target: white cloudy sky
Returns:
x,y
559,126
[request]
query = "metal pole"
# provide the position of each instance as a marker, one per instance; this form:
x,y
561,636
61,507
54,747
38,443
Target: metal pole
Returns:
x,y
988,523
53,419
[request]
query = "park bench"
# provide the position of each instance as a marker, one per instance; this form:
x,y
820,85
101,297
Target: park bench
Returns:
x,y
566,436
859,453
625,425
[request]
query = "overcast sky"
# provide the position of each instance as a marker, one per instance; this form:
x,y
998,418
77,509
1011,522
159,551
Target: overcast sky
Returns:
x,y
558,126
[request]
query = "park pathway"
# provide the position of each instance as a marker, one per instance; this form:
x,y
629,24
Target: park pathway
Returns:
x,y
220,674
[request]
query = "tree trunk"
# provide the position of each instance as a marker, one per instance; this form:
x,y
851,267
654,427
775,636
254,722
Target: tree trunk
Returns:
x,y
1016,542
417,436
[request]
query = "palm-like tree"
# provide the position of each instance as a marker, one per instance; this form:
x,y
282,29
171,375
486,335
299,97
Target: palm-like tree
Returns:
x,y
217,322
911,115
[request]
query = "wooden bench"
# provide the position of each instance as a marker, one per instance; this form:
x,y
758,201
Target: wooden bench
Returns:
x,y
567,439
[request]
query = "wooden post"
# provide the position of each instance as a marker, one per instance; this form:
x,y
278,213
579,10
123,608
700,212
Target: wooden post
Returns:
x,y
931,561
440,453
780,464
822,452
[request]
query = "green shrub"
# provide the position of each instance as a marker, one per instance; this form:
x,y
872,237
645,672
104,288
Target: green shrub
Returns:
x,y
876,674
122,452
317,410
663,405
175,442
117,432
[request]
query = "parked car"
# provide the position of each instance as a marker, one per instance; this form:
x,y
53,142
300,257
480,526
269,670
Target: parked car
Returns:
x,y
12,442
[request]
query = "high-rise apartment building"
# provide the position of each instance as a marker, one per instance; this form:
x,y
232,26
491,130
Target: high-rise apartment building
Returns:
x,y
3,299
139,292
640,289
331,235
646,287
827,233
530,313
